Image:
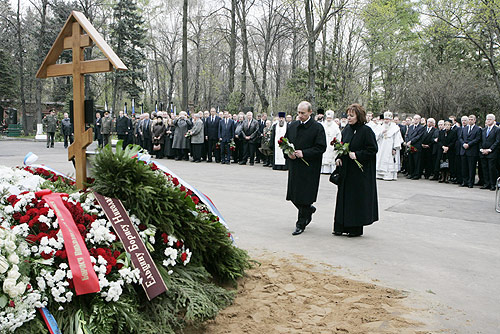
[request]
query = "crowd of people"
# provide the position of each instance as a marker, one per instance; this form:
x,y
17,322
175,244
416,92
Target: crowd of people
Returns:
x,y
445,151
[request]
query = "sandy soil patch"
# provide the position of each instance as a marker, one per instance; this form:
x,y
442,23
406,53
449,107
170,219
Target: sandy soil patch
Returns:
x,y
292,296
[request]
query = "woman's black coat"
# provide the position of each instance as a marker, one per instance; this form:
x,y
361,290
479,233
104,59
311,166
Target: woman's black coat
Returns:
x,y
357,203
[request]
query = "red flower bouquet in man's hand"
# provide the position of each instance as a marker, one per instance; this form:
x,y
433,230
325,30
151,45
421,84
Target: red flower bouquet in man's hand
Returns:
x,y
288,147
343,149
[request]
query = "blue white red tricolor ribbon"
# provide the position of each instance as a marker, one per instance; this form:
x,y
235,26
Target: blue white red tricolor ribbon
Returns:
x,y
50,321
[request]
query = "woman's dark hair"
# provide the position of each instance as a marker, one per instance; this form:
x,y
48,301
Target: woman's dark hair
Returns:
x,y
359,111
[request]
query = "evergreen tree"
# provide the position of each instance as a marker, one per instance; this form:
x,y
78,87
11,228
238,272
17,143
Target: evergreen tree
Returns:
x,y
128,38
7,79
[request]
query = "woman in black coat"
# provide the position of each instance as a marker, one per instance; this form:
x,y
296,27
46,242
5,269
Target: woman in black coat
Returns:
x,y
158,134
357,203
446,148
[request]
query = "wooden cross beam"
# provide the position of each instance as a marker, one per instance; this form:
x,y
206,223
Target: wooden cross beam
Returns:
x,y
77,34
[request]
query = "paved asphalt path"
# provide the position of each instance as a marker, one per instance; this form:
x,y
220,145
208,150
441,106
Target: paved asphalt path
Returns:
x,y
439,242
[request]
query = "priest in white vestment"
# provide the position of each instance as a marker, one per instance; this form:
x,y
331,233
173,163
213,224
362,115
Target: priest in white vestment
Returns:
x,y
279,130
332,130
389,142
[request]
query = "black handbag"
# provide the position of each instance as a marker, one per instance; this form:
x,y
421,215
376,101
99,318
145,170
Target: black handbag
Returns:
x,y
444,163
335,177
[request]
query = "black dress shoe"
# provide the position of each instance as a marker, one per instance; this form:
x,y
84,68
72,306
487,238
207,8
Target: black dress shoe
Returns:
x,y
470,186
298,231
242,163
313,210
415,178
408,177
337,233
353,235
485,187
493,188
463,185
251,164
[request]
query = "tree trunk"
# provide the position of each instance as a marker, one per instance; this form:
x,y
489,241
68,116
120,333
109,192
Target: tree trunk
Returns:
x,y
295,43
157,72
196,96
278,70
232,48
370,80
41,55
243,87
184,57
21,70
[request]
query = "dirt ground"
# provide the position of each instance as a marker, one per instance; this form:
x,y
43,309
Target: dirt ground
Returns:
x,y
292,296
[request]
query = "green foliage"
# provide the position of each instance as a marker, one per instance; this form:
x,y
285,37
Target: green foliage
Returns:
x,y
128,37
7,79
149,196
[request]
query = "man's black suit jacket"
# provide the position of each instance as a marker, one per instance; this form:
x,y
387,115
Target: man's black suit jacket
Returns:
x,y
472,138
492,141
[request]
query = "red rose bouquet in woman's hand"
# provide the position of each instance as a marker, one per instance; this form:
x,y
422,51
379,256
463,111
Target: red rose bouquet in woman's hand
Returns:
x,y
288,147
343,149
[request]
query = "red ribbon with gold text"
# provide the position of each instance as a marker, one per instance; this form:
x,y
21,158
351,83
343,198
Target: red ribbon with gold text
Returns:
x,y
84,276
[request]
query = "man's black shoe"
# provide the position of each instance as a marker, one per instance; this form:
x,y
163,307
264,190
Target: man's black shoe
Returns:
x,y
408,177
470,186
463,185
298,231
493,188
415,178
337,233
242,163
353,235
485,187
251,164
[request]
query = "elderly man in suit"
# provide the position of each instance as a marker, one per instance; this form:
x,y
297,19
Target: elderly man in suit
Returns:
x,y
414,143
250,134
490,140
226,134
469,139
429,139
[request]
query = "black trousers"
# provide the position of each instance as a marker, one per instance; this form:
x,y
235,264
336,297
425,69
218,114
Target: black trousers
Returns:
x,y
212,150
123,137
469,170
415,160
50,139
66,139
147,143
305,212
225,152
249,151
490,172
427,165
238,153
99,140
196,151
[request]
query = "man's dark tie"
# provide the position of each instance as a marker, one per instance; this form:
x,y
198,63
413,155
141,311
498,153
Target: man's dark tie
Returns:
x,y
488,131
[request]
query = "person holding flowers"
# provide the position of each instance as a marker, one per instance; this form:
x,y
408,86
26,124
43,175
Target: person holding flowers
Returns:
x,y
308,140
357,203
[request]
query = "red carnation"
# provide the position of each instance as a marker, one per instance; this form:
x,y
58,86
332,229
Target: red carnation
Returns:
x,y
101,252
71,285
81,228
11,199
28,287
178,244
189,192
175,181
31,238
183,188
61,254
119,266
43,211
116,254
47,256
17,215
24,219
184,256
164,237
142,227
108,269
43,227
154,167
195,199
12,304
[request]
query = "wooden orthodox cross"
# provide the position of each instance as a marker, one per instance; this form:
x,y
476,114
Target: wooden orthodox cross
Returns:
x,y
77,34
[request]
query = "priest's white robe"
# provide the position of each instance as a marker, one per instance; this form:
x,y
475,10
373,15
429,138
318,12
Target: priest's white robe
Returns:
x,y
332,130
388,139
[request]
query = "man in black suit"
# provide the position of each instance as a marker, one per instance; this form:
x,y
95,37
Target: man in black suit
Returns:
x,y
212,135
469,138
414,143
428,152
123,128
145,133
309,140
226,134
250,135
456,169
490,139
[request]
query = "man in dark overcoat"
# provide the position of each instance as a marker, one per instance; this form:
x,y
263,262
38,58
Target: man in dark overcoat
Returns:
x,y
309,140
469,138
490,142
414,139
